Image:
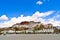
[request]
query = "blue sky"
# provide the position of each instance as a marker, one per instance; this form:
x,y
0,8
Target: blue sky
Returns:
x,y
14,8
11,11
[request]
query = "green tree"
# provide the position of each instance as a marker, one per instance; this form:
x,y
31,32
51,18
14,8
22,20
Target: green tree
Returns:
x,y
35,28
41,27
59,30
15,28
34,31
56,30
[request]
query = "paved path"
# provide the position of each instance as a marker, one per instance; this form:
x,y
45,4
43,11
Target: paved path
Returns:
x,y
30,37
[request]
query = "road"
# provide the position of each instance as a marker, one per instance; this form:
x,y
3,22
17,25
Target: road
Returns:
x,y
30,37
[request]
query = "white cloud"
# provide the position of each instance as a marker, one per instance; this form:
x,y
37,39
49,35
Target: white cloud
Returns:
x,y
37,16
55,23
44,14
3,17
55,20
39,2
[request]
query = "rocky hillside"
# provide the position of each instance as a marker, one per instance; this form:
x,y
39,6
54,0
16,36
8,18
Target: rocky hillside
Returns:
x,y
30,25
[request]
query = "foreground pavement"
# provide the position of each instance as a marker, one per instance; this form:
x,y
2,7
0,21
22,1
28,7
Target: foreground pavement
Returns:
x,y
30,37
